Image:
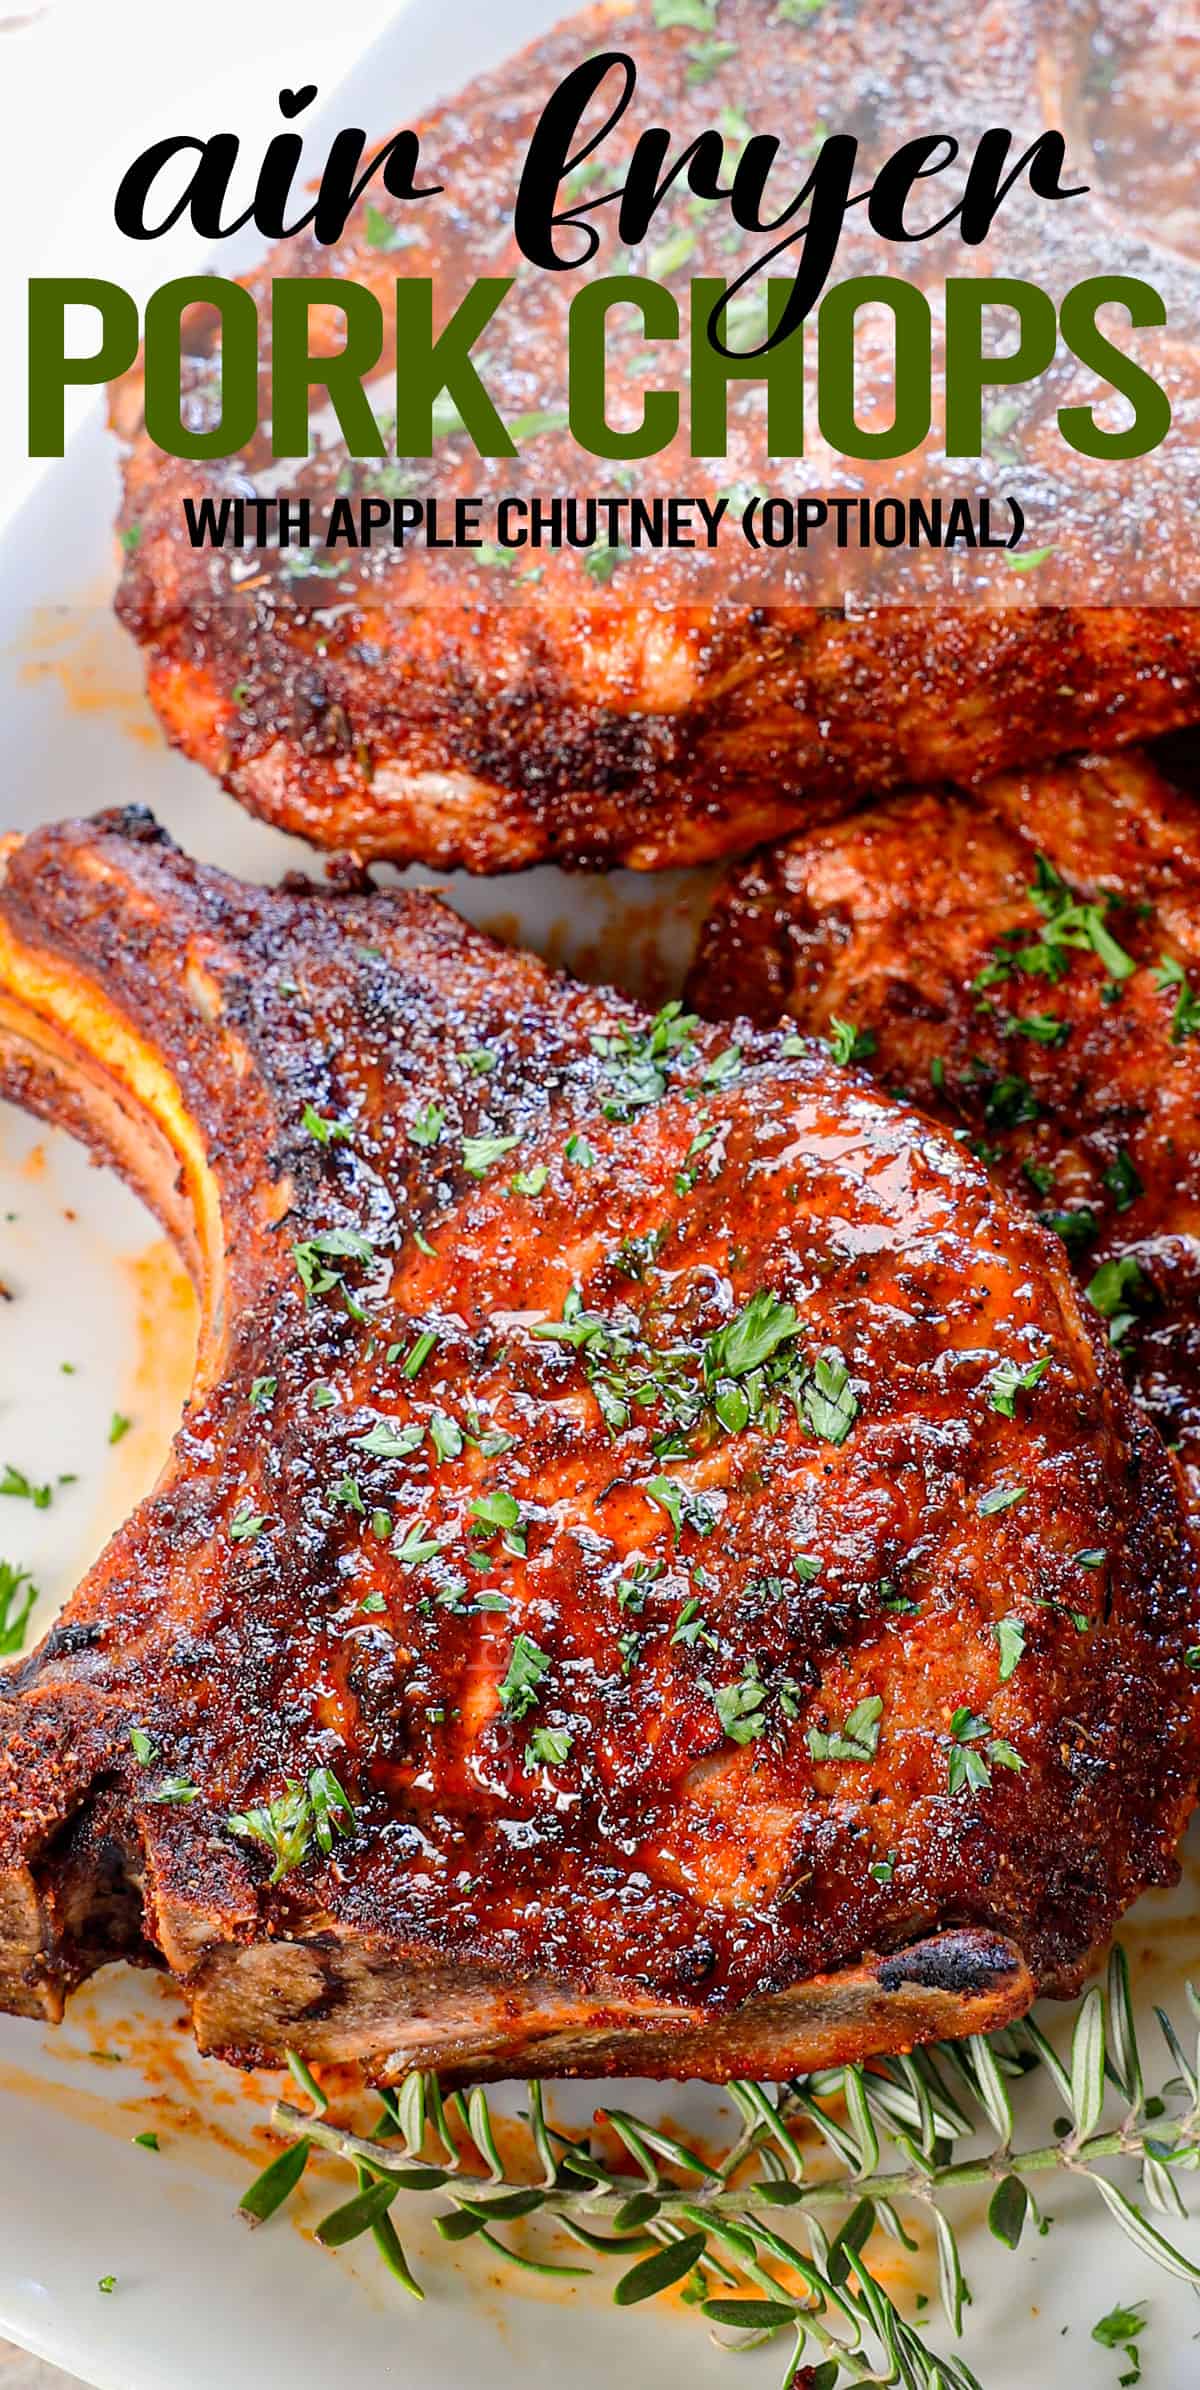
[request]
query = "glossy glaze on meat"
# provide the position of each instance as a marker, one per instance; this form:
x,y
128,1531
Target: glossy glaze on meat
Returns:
x,y
1075,1073
422,707
695,1376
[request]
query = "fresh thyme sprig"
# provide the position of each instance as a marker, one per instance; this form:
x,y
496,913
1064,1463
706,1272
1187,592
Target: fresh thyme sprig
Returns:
x,y
883,2136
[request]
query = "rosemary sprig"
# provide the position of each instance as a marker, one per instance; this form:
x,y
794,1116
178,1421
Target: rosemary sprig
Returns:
x,y
833,2155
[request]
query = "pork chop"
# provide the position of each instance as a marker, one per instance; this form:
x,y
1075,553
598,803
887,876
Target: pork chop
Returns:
x,y
658,1572
499,710
1025,964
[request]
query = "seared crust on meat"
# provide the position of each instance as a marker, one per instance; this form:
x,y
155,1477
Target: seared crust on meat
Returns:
x,y
466,740
929,924
444,710
614,1498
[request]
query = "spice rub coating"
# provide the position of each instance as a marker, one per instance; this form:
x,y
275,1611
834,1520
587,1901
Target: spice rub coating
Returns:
x,y
659,1572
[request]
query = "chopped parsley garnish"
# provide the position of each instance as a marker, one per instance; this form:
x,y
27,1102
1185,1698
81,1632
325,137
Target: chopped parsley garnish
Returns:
x,y
141,1746
1070,921
631,1590
420,1353
635,1255
1071,924
18,1593
175,1792
519,1686
347,1495
298,1816
1008,1379
579,1152
247,1524
548,1746
750,1338
1041,1028
685,1179
325,1132
576,1327
705,58
1185,1020
479,1153
23,1489
857,1739
531,1182
428,1126
381,232
1010,1636
639,1062
416,1546
741,1708
848,1044
700,15
480,1059
315,1257
973,1745
741,1373
1117,1291
1078,1228
1123,1182
118,1426
690,1628
1001,1497
499,1513
723,1069
829,1402
683,1507
1009,1103
601,563
387,1442
262,1393
1120,2329
446,1437
538,421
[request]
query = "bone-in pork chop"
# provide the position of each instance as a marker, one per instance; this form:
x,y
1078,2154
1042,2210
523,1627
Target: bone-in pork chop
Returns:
x,y
659,1573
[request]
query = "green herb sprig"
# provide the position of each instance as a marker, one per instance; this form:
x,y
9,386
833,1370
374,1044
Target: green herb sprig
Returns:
x,y
771,2240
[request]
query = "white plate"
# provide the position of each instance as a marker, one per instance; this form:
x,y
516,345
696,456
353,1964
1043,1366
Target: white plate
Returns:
x,y
200,2303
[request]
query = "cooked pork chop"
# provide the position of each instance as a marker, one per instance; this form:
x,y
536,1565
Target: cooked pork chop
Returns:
x,y
497,711
1025,965
658,1572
